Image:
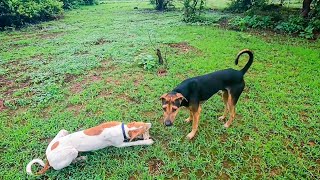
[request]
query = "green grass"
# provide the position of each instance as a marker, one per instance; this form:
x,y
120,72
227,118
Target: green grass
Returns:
x,y
79,71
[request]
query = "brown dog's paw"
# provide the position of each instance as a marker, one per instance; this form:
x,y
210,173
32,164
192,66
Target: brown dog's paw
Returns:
x,y
226,125
221,118
190,135
187,120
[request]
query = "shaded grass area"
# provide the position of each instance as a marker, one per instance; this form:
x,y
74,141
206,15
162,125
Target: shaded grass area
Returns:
x,y
80,71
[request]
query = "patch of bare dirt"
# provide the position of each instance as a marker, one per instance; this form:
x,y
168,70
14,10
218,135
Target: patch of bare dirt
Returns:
x,y
10,86
81,52
155,166
101,41
149,113
95,78
127,98
162,72
76,88
275,172
75,108
69,77
111,80
311,143
223,176
50,35
224,137
304,116
2,107
47,140
37,56
104,94
227,164
183,47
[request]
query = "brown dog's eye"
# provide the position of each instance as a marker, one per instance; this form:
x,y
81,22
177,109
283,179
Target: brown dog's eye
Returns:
x,y
164,109
174,108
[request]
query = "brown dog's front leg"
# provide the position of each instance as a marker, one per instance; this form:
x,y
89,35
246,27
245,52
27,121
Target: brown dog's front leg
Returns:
x,y
195,123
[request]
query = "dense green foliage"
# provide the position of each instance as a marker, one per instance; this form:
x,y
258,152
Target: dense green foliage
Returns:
x,y
278,18
193,10
19,12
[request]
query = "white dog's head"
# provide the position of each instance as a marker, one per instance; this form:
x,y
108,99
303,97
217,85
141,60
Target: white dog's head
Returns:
x,y
139,130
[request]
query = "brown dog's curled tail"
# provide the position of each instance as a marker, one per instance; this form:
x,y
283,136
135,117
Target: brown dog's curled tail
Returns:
x,y
247,66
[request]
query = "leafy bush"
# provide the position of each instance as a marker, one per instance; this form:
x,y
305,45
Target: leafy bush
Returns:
x,y
261,22
294,24
89,2
70,4
146,61
244,5
18,12
193,10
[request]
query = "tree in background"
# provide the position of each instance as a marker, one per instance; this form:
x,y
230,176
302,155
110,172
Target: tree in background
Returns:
x,y
193,10
306,8
162,5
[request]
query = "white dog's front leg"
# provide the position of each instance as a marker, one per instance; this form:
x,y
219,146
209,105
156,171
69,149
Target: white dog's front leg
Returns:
x,y
136,143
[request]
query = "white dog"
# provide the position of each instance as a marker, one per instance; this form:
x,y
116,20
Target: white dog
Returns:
x,y
64,148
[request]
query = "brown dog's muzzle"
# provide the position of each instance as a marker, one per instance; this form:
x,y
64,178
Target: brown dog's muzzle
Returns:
x,y
168,123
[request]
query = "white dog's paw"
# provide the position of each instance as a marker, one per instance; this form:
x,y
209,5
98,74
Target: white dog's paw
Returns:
x,y
148,142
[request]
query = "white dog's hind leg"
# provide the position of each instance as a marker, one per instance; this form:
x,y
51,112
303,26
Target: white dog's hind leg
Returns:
x,y
60,134
136,143
62,157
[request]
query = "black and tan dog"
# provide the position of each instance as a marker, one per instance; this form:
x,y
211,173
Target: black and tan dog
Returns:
x,y
192,92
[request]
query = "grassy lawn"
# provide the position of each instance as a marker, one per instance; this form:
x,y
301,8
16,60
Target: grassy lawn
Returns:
x,y
81,70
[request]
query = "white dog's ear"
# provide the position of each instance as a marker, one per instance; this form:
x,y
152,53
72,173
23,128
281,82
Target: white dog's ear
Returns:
x,y
148,125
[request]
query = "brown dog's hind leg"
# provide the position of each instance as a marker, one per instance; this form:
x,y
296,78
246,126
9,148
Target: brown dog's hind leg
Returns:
x,y
232,111
195,122
225,96
234,94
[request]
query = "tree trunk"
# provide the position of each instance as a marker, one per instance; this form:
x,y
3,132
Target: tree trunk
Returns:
x,y
247,3
160,6
305,8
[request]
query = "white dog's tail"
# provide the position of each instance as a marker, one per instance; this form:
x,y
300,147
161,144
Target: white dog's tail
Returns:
x,y
39,161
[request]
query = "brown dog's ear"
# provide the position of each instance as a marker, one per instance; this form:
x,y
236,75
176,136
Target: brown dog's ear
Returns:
x,y
180,96
163,96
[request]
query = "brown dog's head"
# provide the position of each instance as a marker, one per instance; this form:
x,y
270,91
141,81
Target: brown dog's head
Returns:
x,y
139,130
170,104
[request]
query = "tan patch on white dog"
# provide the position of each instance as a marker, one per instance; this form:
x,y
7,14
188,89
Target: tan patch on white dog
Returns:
x,y
55,145
94,131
